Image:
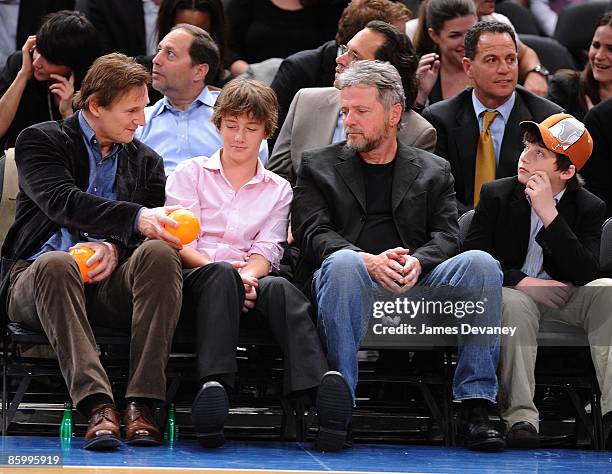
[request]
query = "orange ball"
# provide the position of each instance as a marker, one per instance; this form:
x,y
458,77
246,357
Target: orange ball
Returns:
x,y
81,255
189,225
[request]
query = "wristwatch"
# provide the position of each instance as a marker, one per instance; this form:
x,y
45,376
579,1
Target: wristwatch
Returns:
x,y
540,70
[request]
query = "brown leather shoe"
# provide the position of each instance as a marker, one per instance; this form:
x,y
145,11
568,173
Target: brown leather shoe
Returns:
x,y
103,431
140,428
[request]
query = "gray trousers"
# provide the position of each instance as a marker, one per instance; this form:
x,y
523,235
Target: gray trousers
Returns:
x,y
143,295
589,307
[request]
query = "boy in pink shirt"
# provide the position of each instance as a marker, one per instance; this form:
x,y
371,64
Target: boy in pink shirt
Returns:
x,y
243,210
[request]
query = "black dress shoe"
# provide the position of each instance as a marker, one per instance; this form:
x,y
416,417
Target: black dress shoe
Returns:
x,y
335,408
476,430
208,413
523,435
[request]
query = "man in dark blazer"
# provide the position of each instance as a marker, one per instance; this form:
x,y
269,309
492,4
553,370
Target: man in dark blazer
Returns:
x,y
544,228
84,183
491,63
371,215
597,173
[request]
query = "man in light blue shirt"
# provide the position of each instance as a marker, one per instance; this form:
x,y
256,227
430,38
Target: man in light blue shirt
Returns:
x,y
178,126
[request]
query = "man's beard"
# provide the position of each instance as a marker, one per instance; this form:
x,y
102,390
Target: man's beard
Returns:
x,y
367,144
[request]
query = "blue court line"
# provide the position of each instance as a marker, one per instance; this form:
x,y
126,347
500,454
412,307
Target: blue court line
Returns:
x,y
303,457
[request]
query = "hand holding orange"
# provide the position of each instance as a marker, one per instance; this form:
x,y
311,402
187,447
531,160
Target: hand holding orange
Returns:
x,y
188,225
81,255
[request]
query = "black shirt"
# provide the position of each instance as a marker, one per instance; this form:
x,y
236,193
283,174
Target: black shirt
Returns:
x,y
379,232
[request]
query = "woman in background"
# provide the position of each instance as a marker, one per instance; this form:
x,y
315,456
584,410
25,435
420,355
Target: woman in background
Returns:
x,y
578,91
438,41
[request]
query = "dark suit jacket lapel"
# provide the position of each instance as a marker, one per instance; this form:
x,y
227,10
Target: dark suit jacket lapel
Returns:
x,y
520,215
349,168
512,144
567,206
466,135
125,179
404,174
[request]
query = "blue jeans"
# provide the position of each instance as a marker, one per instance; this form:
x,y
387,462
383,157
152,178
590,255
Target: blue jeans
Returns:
x,y
344,292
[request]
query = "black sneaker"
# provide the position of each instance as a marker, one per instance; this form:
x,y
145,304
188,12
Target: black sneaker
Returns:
x,y
335,408
523,435
208,413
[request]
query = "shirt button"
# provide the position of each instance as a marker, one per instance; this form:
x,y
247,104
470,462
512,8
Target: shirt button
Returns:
x,y
362,219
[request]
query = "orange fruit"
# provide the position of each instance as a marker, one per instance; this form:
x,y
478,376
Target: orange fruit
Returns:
x,y
81,255
189,225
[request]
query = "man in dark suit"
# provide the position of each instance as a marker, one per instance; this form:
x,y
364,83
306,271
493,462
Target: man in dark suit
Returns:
x,y
491,64
597,172
124,26
370,216
544,229
85,183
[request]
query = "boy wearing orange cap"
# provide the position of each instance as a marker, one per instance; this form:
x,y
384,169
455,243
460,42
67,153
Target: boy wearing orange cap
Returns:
x,y
544,228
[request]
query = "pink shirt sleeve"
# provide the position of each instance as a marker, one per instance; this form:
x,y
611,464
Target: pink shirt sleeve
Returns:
x,y
268,241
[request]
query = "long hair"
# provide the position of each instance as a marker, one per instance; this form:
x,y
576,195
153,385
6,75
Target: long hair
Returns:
x,y
433,14
588,86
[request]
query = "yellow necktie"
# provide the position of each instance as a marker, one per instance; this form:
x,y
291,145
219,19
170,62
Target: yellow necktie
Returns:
x,y
486,166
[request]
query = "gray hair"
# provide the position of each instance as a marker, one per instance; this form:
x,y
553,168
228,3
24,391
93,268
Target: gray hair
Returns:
x,y
379,74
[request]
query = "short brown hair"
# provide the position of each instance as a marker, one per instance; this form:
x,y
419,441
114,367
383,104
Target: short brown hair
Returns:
x,y
247,97
109,78
359,12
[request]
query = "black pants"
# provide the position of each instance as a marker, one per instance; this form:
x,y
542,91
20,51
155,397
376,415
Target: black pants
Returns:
x,y
213,296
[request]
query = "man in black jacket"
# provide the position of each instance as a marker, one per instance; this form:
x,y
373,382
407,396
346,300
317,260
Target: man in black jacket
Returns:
x,y
544,229
492,65
86,183
597,172
374,218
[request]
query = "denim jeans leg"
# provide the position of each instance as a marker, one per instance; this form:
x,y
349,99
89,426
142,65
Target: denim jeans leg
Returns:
x,y
474,276
343,291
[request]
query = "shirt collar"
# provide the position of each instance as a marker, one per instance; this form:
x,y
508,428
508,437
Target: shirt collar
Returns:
x,y
86,128
214,163
90,135
205,97
557,197
505,109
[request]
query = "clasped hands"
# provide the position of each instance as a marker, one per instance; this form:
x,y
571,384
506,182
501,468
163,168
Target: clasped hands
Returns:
x,y
250,284
395,270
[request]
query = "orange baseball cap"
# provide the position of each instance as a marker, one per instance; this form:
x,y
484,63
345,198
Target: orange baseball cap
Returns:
x,y
564,134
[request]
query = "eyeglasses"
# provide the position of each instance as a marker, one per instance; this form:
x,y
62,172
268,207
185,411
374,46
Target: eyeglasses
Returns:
x,y
344,49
